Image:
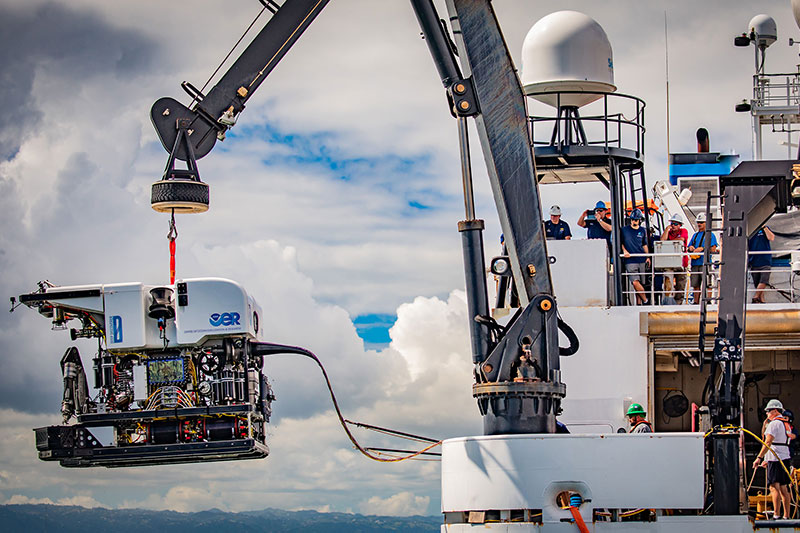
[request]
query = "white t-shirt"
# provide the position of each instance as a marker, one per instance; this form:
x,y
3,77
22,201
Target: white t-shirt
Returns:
x,y
779,437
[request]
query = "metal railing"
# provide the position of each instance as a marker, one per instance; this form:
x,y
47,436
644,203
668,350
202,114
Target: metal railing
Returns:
x,y
610,129
776,90
788,293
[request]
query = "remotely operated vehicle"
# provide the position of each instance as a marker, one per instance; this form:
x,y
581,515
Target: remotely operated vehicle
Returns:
x,y
178,374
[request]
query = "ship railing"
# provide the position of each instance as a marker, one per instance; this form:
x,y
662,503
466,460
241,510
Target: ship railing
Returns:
x,y
776,90
614,120
784,281
785,288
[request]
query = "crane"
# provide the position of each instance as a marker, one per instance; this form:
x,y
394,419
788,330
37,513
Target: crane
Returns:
x,y
484,86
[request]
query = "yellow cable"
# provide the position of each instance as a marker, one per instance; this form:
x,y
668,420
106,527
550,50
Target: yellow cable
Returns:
x,y
793,482
631,513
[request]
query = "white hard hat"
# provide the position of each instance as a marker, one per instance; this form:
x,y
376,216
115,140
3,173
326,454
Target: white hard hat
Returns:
x,y
774,404
676,218
701,217
555,211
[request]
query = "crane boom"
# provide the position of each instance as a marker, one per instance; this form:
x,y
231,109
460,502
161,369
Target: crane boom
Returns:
x,y
518,380
214,113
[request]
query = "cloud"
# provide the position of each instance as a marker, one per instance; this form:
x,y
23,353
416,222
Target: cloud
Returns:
x,y
61,53
80,501
312,210
312,464
400,504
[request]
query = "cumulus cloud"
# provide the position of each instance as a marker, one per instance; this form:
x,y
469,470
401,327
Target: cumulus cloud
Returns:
x,y
337,194
80,501
400,504
312,464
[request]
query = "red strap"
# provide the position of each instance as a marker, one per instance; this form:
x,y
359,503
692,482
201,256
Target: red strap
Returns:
x,y
171,261
576,514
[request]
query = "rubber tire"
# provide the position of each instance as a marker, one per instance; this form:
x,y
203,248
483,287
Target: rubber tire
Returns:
x,y
181,195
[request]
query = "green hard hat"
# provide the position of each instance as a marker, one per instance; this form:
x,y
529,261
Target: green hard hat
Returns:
x,y
635,409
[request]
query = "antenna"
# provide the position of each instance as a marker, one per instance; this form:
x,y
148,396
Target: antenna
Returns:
x,y
666,70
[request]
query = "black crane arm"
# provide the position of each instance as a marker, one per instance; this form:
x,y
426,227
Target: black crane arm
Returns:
x,y
212,114
517,365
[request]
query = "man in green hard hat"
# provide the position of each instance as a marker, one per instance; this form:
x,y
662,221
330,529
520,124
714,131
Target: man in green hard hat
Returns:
x,y
636,417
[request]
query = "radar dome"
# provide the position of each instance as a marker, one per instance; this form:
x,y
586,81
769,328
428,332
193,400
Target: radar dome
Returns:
x,y
796,11
765,30
567,51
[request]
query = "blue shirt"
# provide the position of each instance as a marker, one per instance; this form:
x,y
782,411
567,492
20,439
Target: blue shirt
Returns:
x,y
595,231
558,231
698,239
759,243
634,241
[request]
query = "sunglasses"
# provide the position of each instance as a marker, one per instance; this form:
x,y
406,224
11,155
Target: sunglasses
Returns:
x,y
675,223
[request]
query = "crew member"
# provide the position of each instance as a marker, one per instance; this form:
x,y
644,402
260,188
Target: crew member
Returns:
x,y
760,264
695,249
597,222
555,228
634,241
777,437
676,232
636,417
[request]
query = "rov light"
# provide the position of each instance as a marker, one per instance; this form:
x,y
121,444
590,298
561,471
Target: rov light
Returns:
x,y
500,266
741,40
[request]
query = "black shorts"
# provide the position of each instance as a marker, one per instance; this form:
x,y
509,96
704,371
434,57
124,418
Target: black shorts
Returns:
x,y
776,472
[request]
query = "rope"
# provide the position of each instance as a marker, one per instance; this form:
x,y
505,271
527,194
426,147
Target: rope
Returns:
x,y
793,482
229,53
261,72
576,515
631,513
271,349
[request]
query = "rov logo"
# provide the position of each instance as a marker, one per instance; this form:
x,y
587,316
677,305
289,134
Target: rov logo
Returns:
x,y
224,319
116,329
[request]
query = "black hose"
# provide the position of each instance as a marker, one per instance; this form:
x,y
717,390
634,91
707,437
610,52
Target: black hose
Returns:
x,y
265,348
574,344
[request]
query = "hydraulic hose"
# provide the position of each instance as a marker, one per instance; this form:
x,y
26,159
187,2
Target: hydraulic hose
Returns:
x,y
574,344
264,348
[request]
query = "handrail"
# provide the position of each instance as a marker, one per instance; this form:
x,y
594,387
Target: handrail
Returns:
x,y
556,136
793,292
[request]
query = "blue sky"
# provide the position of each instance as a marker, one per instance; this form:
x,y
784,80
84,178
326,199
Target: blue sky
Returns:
x,y
335,208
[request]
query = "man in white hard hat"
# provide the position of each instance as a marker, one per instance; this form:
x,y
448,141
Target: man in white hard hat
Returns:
x,y
676,232
555,228
777,437
696,250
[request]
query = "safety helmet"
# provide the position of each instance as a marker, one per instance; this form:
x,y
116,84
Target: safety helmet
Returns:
x,y
555,211
637,214
774,404
635,409
676,218
701,218
789,415
600,205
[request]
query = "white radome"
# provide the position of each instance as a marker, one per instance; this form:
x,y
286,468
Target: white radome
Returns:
x,y
765,29
796,11
567,51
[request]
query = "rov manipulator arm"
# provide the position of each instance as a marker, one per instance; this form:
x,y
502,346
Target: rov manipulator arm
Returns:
x,y
517,369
